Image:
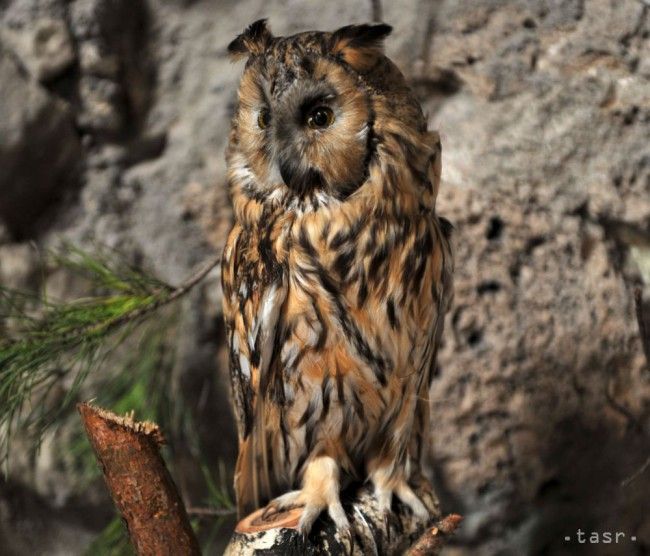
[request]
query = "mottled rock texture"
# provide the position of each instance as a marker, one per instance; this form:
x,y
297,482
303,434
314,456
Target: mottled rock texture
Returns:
x,y
542,399
39,149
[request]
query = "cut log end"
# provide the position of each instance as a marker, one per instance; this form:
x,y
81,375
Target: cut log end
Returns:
x,y
127,422
257,522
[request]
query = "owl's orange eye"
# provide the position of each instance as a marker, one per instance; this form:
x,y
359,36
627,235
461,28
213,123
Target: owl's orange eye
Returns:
x,y
264,118
320,117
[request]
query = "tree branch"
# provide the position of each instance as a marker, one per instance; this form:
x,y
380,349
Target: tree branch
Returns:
x,y
163,297
139,482
432,540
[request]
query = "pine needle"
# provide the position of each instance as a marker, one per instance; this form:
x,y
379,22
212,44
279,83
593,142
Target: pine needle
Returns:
x,y
112,541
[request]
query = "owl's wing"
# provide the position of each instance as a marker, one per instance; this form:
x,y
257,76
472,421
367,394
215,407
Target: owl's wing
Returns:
x,y
240,375
420,441
254,291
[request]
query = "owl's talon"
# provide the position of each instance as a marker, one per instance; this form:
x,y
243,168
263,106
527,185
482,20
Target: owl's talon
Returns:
x,y
384,490
406,494
320,492
283,503
269,511
336,512
311,512
309,515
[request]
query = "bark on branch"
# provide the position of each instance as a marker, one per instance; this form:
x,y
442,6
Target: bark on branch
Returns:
x,y
373,533
139,483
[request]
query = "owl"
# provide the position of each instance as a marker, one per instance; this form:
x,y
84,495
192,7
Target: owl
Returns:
x,y
336,275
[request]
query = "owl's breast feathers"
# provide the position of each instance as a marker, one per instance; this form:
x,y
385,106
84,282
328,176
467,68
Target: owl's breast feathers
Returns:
x,y
333,320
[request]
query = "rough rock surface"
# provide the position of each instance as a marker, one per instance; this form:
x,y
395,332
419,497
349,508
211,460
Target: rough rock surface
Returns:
x,y
39,149
542,400
45,48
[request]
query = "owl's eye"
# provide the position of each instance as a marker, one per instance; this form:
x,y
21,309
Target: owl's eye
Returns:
x,y
264,118
320,117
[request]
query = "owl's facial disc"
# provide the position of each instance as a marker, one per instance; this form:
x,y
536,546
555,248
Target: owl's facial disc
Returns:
x,y
307,125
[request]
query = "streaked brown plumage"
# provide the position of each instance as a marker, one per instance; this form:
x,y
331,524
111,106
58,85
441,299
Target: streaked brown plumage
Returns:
x,y
337,273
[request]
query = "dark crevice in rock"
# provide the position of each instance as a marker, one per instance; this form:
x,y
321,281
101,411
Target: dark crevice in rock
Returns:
x,y
116,70
495,228
625,39
529,23
488,286
533,243
474,337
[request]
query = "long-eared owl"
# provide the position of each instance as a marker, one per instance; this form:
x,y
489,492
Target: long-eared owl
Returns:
x,y
337,273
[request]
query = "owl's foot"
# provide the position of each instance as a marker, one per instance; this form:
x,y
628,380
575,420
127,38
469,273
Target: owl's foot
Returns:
x,y
386,488
312,508
320,492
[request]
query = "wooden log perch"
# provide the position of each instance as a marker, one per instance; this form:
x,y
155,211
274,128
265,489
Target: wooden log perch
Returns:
x,y
372,533
139,483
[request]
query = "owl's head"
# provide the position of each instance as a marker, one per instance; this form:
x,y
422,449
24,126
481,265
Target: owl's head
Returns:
x,y
305,121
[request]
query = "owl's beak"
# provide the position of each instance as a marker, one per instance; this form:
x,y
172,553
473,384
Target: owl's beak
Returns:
x,y
299,180
287,172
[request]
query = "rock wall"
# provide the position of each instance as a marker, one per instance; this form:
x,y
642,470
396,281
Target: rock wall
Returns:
x,y
113,122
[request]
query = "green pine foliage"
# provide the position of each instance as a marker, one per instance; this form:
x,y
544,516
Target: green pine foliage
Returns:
x,y
48,344
112,541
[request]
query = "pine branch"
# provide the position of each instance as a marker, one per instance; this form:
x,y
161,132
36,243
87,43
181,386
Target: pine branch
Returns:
x,y
200,511
162,295
44,342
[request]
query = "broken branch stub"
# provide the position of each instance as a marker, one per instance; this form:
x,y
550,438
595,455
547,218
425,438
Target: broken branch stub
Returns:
x,y
139,483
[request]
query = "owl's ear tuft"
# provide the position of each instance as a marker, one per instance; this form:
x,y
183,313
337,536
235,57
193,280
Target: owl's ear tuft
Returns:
x,y
360,45
254,40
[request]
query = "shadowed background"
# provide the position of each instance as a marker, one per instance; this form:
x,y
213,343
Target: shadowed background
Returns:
x,y
114,116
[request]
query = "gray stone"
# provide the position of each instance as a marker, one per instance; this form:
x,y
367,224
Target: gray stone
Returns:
x,y
39,149
46,48
101,100
18,266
